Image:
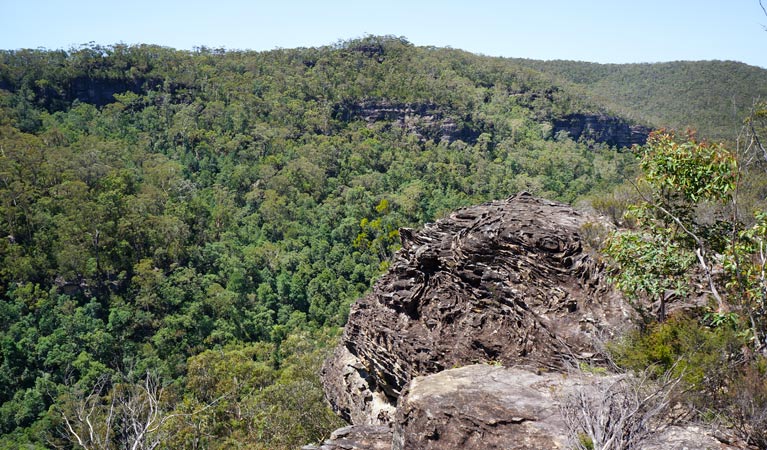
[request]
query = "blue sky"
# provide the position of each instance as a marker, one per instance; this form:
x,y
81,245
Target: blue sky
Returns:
x,y
616,31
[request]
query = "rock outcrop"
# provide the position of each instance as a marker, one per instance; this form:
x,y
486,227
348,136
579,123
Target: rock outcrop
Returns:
x,y
354,390
485,407
507,281
481,406
427,121
602,128
424,120
489,407
357,437
510,283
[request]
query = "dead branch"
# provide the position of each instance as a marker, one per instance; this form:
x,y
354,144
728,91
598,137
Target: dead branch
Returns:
x,y
619,412
129,415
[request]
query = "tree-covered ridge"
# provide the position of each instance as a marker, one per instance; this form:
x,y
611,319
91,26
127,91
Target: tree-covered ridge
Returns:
x,y
710,96
166,214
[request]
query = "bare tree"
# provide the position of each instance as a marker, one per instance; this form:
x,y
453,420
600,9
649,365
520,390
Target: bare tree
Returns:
x,y
88,419
127,416
763,10
619,412
142,414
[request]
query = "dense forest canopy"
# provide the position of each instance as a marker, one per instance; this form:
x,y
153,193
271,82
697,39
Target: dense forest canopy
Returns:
x,y
681,94
201,221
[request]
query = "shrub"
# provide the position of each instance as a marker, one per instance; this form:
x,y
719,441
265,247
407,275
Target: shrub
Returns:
x,y
619,412
704,357
746,402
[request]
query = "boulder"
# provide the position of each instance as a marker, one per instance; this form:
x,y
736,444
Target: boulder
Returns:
x,y
509,282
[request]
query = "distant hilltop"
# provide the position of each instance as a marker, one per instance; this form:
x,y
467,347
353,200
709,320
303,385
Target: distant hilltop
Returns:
x,y
711,97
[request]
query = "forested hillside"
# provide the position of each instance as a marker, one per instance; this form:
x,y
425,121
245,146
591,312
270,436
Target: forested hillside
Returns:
x,y
711,97
191,227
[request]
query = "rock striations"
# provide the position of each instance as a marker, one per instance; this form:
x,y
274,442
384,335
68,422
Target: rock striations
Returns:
x,y
507,283
487,407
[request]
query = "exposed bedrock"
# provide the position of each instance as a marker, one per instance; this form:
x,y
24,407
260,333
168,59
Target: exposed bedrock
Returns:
x,y
486,407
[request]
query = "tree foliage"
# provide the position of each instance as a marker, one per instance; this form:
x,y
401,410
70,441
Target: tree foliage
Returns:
x,y
194,214
719,349
712,97
657,259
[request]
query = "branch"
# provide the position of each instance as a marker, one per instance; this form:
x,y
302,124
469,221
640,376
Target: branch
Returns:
x,y
722,307
756,139
71,430
620,413
699,252
168,417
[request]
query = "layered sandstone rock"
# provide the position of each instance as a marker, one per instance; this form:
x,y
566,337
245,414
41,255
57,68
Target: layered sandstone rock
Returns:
x,y
357,437
426,121
610,130
510,283
507,281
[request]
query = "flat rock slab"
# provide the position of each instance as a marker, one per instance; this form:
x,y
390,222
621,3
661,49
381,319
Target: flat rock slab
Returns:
x,y
489,407
481,407
486,407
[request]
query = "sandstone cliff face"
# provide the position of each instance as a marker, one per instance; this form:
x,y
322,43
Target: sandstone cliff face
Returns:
x,y
600,128
508,281
428,121
424,120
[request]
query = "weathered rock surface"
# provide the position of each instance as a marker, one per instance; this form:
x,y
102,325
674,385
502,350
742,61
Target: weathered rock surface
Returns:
x,y
488,407
507,281
429,121
601,128
480,406
358,400
357,437
485,407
